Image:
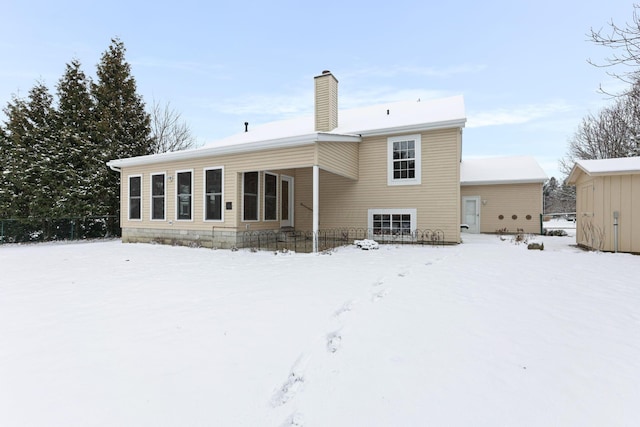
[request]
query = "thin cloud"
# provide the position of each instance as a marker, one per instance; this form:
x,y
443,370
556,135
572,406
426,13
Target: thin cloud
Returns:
x,y
517,115
393,71
189,66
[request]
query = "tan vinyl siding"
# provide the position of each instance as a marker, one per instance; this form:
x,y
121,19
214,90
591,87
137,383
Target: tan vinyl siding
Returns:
x,y
597,199
326,103
345,203
234,165
507,200
353,180
340,158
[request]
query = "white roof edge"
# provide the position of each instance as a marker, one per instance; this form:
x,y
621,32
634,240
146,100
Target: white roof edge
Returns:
x,y
416,127
504,182
294,141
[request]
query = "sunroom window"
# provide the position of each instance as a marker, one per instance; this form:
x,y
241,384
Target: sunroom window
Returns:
x,y
213,194
185,195
270,197
135,197
250,196
157,196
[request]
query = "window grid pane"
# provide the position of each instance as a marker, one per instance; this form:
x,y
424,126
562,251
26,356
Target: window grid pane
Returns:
x,y
184,195
404,166
250,197
213,195
135,197
157,196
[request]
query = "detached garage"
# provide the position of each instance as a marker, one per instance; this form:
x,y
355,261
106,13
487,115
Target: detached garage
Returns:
x,y
501,195
607,204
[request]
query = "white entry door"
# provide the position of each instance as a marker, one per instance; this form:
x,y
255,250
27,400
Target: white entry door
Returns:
x,y
471,213
286,201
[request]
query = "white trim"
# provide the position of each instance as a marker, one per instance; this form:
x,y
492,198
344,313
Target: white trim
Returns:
x,y
240,147
417,180
291,196
129,196
316,206
204,194
177,205
387,211
264,198
151,175
257,198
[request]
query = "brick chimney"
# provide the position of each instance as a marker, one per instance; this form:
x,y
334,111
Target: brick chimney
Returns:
x,y
326,102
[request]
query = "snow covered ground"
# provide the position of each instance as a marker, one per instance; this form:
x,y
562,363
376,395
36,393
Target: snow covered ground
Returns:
x,y
485,333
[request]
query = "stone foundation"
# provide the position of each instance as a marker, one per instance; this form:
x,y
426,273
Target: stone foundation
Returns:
x,y
194,238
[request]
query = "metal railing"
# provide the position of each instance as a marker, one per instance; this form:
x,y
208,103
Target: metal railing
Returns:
x,y
302,241
21,230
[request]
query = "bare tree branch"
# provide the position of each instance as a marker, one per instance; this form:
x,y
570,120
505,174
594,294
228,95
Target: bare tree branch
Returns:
x,y
168,131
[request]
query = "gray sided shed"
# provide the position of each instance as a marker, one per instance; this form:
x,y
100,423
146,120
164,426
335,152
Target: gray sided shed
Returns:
x,y
607,204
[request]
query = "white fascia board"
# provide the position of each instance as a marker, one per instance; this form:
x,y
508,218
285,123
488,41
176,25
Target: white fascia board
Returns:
x,y
458,123
295,141
504,182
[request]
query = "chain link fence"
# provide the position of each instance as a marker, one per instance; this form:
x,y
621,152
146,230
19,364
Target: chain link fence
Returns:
x,y
21,230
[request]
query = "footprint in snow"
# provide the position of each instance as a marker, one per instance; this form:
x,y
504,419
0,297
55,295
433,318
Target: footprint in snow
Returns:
x,y
334,342
295,419
376,296
346,307
378,282
292,385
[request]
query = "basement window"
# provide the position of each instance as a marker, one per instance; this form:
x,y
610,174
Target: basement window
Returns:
x,y
389,223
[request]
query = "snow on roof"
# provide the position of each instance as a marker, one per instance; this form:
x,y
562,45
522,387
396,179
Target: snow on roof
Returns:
x,y
397,117
619,166
615,166
372,120
501,170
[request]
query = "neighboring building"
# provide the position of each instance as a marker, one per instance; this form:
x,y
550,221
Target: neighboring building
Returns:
x,y
607,203
392,170
502,194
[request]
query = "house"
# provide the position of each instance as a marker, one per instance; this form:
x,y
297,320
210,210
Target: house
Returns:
x,y
502,194
607,204
386,171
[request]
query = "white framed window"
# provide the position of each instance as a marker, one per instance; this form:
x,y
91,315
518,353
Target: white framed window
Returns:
x,y
389,223
404,160
135,197
250,196
214,194
158,196
184,195
270,197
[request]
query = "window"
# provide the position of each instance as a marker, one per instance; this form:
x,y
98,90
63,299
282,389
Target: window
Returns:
x,y
270,197
392,222
184,190
404,160
250,196
157,196
135,197
213,194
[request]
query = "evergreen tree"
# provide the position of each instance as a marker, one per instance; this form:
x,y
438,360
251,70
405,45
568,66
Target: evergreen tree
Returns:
x,y
30,167
5,193
122,126
75,127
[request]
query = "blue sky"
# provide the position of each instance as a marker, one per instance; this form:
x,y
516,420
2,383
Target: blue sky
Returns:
x,y
521,66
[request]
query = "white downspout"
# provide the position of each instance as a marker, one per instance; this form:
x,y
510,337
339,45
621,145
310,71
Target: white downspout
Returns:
x,y
316,206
